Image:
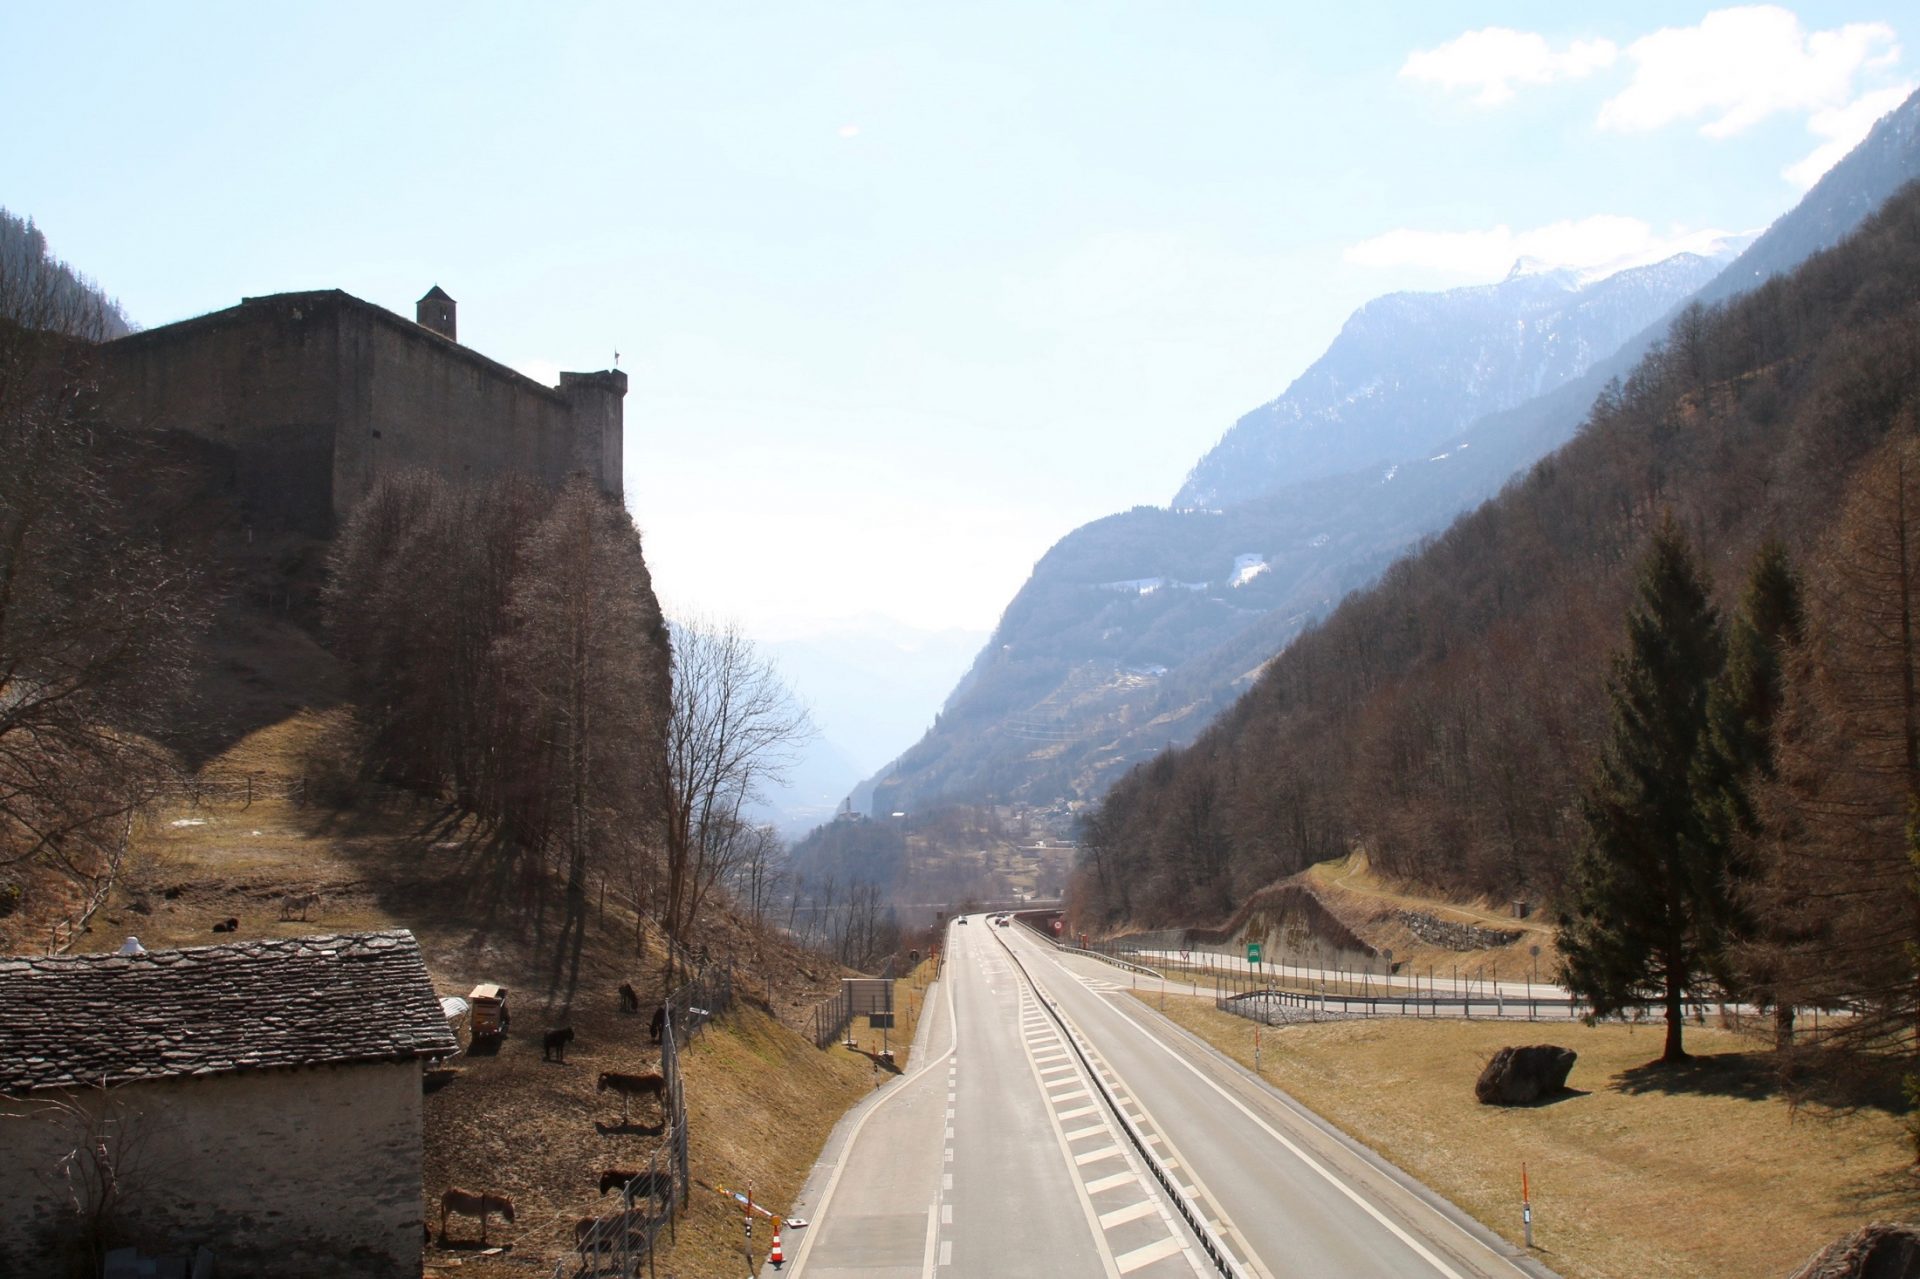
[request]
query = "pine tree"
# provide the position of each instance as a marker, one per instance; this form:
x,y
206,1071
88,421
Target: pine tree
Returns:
x,y
1647,889
1742,711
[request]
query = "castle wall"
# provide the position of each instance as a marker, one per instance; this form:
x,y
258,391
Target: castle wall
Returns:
x,y
320,394
259,382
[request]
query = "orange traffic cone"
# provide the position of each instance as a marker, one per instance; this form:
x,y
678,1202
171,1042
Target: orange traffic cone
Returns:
x,y
775,1256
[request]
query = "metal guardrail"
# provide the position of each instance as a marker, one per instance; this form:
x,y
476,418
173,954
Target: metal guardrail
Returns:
x,y
1214,1246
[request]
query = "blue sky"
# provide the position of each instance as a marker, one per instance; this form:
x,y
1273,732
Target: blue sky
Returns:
x,y
907,291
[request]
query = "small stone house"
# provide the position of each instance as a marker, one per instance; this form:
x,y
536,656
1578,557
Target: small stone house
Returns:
x,y
260,1098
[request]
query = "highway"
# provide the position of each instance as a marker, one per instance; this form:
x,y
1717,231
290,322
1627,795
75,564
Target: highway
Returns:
x,y
998,1153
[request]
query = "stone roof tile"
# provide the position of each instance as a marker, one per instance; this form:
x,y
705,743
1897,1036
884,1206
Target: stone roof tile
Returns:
x,y
302,1001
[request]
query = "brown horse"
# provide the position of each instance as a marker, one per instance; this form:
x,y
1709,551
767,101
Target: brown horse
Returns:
x,y
631,1086
468,1204
638,1185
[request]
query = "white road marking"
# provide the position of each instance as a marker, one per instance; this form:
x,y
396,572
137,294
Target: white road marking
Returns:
x,y
1108,1183
1078,1112
946,1252
1131,1261
946,1214
1088,1131
1132,1212
1325,1173
1095,1156
933,1233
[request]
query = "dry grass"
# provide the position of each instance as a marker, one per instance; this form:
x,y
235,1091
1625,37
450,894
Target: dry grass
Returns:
x,y
761,1098
1365,901
1706,1172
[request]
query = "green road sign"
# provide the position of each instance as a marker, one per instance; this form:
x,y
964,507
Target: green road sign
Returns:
x,y
1253,952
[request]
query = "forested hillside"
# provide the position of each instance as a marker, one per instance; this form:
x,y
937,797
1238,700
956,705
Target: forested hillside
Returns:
x,y
1446,720
1135,631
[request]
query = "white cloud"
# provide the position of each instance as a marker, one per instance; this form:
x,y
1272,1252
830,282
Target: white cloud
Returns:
x,y
1842,128
1598,245
1494,59
1741,65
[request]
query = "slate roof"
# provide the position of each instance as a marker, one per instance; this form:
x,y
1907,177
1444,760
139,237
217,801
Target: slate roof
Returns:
x,y
214,1010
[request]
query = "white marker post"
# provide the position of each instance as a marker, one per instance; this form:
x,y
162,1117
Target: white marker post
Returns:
x,y
1526,1207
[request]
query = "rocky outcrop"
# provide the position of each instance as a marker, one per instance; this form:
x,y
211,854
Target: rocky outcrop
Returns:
x,y
1519,1076
1444,932
1883,1250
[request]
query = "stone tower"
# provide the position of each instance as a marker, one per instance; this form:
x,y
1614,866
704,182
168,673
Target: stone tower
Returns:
x,y
596,400
435,311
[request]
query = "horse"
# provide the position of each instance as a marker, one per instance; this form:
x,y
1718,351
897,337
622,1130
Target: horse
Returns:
x,y
228,925
302,902
659,1023
637,1185
609,1230
553,1046
469,1204
631,1086
629,998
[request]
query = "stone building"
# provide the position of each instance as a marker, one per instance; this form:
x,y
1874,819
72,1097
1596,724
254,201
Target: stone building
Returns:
x,y
261,1099
315,395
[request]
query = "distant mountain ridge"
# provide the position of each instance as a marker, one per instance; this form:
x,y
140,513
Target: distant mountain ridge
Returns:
x,y
1082,679
1408,368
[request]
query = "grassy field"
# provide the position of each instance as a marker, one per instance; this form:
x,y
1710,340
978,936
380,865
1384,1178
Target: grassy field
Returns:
x,y
1711,1171
761,1098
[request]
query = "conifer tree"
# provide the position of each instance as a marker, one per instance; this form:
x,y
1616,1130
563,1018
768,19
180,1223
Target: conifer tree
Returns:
x,y
1645,899
1742,711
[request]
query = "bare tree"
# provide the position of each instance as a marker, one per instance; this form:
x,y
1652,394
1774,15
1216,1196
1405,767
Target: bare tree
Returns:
x,y
733,729
96,613
105,1159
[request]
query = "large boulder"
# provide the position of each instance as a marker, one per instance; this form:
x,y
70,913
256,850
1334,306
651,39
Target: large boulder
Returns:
x,y
1517,1076
1883,1250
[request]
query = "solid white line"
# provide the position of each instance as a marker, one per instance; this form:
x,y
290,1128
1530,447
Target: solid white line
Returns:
x,y
833,1181
1109,1182
1132,1212
1327,1174
1146,1256
933,1233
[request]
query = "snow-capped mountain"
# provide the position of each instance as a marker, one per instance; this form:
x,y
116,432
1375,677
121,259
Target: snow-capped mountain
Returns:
x,y
1410,368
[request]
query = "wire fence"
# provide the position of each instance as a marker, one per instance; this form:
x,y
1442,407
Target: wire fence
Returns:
x,y
234,788
616,1245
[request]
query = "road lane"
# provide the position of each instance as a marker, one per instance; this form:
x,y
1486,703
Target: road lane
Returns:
x,y
1291,1197
993,1156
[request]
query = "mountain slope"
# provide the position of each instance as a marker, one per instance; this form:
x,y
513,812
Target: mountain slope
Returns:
x,y
1068,691
1444,719
1408,368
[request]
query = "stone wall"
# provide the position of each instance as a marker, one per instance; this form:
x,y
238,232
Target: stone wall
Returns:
x,y
320,394
310,1172
1453,936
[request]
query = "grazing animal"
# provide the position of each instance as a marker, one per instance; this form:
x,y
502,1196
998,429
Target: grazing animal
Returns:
x,y
629,998
631,1086
553,1047
659,1023
638,1185
221,927
603,1232
302,902
469,1204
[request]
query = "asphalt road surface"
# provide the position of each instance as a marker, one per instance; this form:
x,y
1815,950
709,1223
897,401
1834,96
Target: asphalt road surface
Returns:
x,y
999,1153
